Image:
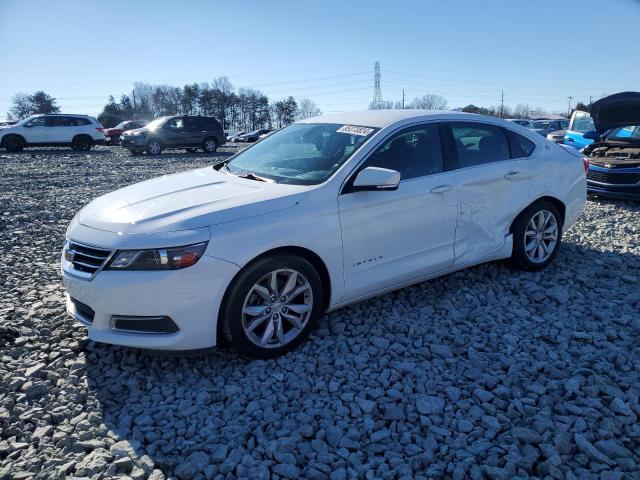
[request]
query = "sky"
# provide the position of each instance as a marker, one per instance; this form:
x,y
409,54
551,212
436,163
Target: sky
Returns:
x,y
537,52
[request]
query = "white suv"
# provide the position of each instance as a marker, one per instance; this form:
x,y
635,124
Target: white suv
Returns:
x,y
80,132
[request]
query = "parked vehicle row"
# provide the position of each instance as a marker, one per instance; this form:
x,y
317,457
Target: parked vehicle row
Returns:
x,y
320,214
82,132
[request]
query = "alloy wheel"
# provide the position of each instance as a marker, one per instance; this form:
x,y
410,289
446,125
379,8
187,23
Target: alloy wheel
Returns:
x,y
210,146
277,308
154,148
541,236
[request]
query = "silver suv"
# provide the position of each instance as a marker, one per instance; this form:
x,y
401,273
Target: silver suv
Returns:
x,y
80,132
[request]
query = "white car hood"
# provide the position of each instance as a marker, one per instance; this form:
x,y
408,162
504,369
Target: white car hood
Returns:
x,y
188,200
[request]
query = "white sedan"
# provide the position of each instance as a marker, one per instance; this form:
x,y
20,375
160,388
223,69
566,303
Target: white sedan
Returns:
x,y
321,214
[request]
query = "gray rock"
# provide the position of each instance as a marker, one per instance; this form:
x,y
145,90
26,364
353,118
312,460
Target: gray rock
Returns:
x,y
428,404
592,452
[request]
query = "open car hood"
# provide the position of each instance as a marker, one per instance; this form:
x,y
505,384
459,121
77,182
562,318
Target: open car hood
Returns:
x,y
618,110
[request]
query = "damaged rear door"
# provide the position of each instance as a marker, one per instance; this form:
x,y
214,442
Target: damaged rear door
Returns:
x,y
494,181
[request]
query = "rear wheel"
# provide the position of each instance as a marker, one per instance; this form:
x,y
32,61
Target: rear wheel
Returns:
x,y
82,143
210,145
537,233
272,306
13,144
154,147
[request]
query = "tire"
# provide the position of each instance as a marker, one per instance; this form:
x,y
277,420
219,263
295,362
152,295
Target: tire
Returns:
x,y
154,147
210,145
535,246
82,143
190,150
251,298
13,143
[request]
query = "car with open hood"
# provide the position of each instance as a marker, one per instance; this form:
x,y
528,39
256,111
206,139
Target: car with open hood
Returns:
x,y
614,155
323,213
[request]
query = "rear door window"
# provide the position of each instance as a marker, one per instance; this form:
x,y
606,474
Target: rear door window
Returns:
x,y
479,144
60,121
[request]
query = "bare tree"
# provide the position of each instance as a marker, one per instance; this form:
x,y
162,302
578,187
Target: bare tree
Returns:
x,y
20,106
429,101
307,109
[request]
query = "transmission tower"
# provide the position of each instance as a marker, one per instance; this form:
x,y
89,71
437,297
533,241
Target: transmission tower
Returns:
x,y
377,93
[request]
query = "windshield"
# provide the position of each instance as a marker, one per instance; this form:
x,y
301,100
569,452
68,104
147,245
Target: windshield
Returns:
x,y
631,132
121,124
302,153
156,123
582,122
541,124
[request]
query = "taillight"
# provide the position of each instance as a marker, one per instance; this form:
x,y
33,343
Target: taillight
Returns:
x,y
585,164
100,129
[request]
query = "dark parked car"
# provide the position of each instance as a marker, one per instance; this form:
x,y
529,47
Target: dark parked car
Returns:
x,y
253,136
113,134
545,126
178,131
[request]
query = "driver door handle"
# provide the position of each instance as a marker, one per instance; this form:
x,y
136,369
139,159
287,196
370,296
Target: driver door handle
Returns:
x,y
441,189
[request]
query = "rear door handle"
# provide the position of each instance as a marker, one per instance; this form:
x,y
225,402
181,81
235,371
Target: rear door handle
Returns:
x,y
513,175
441,189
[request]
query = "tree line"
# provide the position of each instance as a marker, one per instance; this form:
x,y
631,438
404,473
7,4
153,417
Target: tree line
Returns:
x,y
246,109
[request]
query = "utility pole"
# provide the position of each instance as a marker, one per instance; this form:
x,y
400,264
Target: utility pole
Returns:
x,y
133,93
403,98
590,100
377,93
569,111
501,103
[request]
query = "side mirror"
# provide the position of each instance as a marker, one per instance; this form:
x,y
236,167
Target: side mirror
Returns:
x,y
376,178
590,135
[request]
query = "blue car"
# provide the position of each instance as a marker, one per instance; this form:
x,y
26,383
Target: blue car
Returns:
x,y
614,156
580,123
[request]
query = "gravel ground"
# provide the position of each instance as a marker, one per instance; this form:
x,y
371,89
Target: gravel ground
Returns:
x,y
485,373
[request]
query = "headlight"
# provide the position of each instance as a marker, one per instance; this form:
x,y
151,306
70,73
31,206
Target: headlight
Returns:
x,y
137,134
158,259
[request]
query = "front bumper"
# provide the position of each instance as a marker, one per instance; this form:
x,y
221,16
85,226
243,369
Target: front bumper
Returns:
x,y
190,298
132,143
614,191
623,183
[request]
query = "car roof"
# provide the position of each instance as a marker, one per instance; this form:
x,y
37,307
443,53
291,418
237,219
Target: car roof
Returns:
x,y
62,115
384,118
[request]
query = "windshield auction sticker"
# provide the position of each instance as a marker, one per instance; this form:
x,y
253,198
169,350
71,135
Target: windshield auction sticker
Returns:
x,y
355,130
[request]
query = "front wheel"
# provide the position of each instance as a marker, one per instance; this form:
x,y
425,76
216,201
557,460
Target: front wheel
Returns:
x,y
13,144
537,233
272,306
154,147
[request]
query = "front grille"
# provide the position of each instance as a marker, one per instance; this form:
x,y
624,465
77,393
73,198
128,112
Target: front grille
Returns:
x,y
84,258
613,178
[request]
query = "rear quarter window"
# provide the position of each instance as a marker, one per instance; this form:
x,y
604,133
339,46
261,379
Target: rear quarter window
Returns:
x,y
212,124
519,145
